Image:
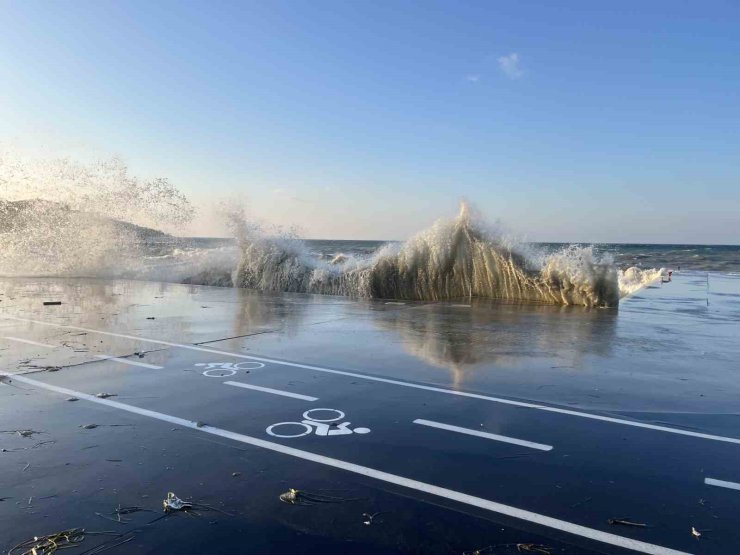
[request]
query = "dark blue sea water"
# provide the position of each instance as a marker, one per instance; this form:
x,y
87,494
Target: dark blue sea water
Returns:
x,y
711,258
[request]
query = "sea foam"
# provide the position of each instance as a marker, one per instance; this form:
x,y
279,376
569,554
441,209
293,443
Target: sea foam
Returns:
x,y
455,258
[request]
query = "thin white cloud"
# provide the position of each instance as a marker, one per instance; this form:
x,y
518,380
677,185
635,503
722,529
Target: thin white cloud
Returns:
x,y
509,64
473,78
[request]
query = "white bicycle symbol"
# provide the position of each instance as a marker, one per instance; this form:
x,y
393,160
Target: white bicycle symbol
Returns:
x,y
321,425
226,369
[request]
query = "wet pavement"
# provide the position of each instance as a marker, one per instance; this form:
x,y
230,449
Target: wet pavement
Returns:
x,y
460,425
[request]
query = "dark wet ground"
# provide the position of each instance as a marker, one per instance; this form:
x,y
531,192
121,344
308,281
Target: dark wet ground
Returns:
x,y
666,358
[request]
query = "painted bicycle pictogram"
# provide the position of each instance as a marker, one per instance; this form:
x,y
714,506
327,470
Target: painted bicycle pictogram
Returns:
x,y
227,369
324,425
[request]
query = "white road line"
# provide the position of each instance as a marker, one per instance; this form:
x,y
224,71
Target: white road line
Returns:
x,y
721,483
129,362
495,437
453,495
273,391
399,383
30,342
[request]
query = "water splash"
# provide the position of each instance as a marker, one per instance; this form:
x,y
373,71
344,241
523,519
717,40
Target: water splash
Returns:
x,y
454,258
62,217
633,279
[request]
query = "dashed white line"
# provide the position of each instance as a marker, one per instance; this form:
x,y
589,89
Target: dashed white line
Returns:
x,y
722,483
511,402
493,506
478,433
130,362
38,344
273,391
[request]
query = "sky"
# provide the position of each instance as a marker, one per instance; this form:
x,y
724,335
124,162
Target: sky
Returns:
x,y
564,121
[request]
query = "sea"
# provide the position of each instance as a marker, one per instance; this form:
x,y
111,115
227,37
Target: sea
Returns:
x,y
675,257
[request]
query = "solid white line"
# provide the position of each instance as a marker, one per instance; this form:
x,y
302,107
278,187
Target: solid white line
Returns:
x,y
495,437
30,342
400,383
453,495
273,391
721,483
129,362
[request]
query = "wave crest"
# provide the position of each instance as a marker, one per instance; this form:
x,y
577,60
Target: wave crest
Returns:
x,y
452,259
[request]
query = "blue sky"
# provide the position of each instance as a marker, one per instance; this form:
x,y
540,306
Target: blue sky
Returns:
x,y
572,121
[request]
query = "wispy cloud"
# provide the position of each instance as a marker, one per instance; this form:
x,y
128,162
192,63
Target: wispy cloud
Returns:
x,y
509,64
473,78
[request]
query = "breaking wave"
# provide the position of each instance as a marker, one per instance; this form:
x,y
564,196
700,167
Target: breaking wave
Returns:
x,y
633,279
65,218
59,217
453,259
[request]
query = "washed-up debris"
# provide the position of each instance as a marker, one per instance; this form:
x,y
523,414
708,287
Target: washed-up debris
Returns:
x,y
105,395
300,497
28,465
47,545
120,511
89,426
368,518
131,510
66,539
174,503
51,543
150,318
22,433
625,522
52,303
40,443
34,446
52,368
72,399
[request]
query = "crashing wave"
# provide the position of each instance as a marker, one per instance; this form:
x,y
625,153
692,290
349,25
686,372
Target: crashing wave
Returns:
x,y
64,218
453,259
633,279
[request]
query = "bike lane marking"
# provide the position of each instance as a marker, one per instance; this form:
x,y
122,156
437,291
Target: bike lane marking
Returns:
x,y
523,404
721,483
477,433
493,506
29,342
130,362
273,391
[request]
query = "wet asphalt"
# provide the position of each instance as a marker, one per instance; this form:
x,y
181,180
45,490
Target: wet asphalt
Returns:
x,y
460,426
